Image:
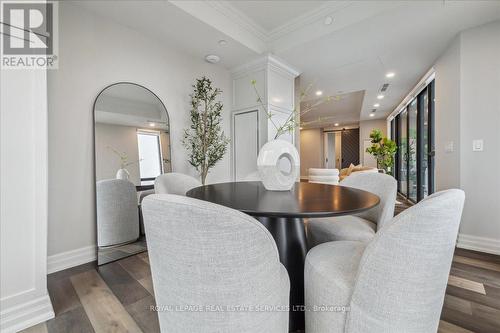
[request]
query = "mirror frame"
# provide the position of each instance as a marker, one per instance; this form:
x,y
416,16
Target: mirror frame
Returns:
x,y
94,160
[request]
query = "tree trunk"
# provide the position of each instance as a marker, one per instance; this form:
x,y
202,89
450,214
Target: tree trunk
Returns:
x,y
203,176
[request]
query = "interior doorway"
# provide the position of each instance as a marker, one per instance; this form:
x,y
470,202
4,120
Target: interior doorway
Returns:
x,y
340,148
332,152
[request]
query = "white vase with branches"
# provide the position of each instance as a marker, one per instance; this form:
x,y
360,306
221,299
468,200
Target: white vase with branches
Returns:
x,y
123,173
275,154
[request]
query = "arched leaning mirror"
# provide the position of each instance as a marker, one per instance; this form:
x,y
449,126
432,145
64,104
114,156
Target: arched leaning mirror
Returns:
x,y
132,148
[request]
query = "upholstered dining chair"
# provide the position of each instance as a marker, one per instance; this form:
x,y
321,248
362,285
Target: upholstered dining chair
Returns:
x,y
175,183
362,226
117,212
141,196
395,283
323,176
216,258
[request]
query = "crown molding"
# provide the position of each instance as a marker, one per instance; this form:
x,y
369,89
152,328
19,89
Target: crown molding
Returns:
x,y
240,18
307,18
228,20
266,36
267,61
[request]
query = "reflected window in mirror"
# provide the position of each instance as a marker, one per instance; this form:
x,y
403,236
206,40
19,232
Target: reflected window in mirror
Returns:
x,y
150,156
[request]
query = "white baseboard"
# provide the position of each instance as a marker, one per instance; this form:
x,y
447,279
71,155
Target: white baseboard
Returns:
x,y
58,262
27,314
481,244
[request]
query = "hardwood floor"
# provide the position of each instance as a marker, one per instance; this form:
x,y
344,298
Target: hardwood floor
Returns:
x,y
117,297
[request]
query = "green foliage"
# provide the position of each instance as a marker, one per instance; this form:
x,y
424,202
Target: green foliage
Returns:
x,y
204,139
383,149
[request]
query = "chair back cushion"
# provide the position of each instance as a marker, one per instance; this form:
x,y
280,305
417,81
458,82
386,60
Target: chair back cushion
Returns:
x,y
175,183
384,186
402,276
203,254
117,212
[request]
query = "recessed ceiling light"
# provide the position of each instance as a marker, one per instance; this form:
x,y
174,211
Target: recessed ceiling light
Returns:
x,y
380,96
390,74
152,124
376,105
328,20
372,114
336,124
319,93
212,58
222,42
301,127
277,100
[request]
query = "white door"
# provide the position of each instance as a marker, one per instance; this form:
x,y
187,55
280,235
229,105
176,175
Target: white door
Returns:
x,y
329,150
245,143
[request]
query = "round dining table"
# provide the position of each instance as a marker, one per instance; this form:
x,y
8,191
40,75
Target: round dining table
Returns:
x,y
283,214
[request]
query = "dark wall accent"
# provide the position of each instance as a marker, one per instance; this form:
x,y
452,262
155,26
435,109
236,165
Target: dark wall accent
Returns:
x,y
350,147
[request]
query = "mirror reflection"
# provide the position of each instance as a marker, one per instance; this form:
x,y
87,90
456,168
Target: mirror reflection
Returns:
x,y
132,148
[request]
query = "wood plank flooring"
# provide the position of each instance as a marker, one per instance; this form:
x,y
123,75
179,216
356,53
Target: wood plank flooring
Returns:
x,y
117,297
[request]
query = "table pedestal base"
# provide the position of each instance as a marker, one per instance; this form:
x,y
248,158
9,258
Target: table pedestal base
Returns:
x,y
290,237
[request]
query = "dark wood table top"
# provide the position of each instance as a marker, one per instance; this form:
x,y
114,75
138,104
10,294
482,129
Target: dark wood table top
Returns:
x,y
303,200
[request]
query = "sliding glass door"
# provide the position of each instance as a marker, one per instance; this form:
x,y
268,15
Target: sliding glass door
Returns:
x,y
412,150
403,152
413,130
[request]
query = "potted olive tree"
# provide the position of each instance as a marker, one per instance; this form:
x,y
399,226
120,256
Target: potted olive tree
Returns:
x,y
383,149
204,139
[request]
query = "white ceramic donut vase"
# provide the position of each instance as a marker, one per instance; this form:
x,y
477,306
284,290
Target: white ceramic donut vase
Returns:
x,y
268,164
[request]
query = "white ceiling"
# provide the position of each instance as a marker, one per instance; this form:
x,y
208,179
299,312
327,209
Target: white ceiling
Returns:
x,y
338,109
161,20
271,14
130,105
365,40
133,92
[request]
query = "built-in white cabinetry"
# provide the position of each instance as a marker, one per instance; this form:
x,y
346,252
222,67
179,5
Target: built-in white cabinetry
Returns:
x,y
251,126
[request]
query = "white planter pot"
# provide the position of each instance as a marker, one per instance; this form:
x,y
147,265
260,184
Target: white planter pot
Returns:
x,y
122,174
272,158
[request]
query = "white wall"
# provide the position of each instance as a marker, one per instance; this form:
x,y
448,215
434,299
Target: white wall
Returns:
x,y
468,108
311,150
447,118
95,52
480,119
23,199
122,139
365,128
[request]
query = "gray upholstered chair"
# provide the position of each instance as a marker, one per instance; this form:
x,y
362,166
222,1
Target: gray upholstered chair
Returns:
x,y
117,212
142,195
203,254
175,183
395,283
359,227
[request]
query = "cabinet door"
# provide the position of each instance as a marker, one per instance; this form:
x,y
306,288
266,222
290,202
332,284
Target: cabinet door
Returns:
x,y
245,143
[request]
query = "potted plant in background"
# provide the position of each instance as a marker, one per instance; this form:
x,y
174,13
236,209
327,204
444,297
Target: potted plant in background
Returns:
x,y
383,149
274,151
204,139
